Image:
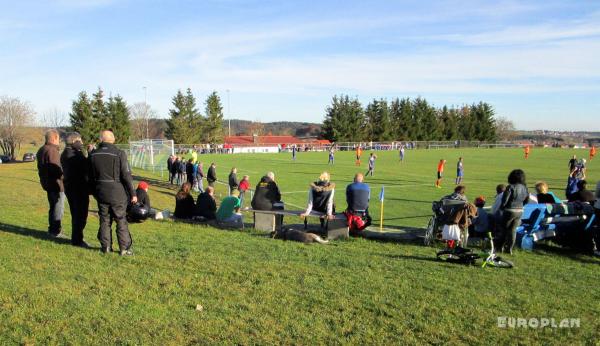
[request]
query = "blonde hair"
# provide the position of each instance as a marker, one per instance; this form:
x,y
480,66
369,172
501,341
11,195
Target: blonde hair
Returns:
x,y
541,187
324,176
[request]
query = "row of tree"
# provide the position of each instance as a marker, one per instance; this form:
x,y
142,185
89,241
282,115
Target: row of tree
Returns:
x,y
90,115
187,125
404,119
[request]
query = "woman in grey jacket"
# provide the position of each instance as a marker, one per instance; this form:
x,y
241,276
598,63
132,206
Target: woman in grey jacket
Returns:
x,y
513,199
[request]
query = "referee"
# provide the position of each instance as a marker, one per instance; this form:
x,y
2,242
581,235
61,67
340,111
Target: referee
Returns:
x,y
111,181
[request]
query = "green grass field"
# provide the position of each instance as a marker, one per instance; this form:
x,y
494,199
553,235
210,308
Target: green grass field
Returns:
x,y
256,290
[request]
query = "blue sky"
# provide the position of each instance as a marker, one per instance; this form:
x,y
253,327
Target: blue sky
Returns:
x,y
537,62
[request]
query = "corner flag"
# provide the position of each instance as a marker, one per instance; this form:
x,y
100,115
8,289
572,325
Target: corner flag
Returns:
x,y
381,197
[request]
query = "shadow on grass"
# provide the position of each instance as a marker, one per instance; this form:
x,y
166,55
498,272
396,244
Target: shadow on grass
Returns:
x,y
414,257
34,233
575,255
155,182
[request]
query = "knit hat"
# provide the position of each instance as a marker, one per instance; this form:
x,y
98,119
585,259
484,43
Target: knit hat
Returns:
x,y
143,185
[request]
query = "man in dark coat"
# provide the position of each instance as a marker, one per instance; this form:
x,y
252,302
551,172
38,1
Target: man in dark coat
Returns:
x,y
206,205
211,175
189,171
267,195
173,170
112,184
51,178
170,168
75,169
233,181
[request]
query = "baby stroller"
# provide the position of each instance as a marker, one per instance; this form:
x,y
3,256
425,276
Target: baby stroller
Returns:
x,y
443,211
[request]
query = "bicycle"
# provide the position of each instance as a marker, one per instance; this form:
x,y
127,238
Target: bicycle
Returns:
x,y
466,256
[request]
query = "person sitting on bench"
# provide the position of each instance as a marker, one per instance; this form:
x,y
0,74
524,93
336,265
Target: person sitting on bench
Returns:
x,y
320,198
267,196
358,195
206,205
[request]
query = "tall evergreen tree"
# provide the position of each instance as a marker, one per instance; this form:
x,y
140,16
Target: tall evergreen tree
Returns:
x,y
377,121
485,124
466,123
184,125
449,124
119,117
213,124
100,111
425,121
82,118
343,120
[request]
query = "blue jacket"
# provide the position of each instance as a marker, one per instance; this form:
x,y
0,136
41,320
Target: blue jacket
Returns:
x,y
357,196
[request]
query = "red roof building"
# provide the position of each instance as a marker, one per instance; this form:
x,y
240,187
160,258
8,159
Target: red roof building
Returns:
x,y
267,141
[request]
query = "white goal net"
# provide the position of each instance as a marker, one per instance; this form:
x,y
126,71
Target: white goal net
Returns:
x,y
151,154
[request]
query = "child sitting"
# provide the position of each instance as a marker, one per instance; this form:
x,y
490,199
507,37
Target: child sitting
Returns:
x,y
481,223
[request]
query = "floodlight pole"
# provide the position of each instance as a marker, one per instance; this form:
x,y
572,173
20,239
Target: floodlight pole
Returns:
x,y
228,113
146,112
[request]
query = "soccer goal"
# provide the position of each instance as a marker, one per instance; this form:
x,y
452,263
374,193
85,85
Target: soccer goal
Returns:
x,y
151,154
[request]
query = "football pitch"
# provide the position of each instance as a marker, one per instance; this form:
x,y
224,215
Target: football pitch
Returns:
x,y
256,290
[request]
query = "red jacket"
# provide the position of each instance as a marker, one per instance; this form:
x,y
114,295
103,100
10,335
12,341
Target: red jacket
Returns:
x,y
244,185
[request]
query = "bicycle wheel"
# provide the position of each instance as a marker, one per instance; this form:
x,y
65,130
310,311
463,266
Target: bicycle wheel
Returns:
x,y
429,232
499,262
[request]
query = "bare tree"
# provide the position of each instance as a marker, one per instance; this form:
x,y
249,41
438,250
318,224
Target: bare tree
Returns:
x,y
505,129
141,125
14,116
54,119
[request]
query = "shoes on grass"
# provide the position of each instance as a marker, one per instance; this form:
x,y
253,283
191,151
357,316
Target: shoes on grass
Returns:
x,y
126,253
83,244
106,250
60,235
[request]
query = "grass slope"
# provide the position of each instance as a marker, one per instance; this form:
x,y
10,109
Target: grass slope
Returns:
x,y
257,290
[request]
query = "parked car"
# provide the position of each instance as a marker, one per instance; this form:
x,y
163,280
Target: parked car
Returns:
x,y
29,157
4,158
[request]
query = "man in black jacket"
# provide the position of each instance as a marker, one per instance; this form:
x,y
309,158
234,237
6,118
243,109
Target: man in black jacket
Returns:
x,y
75,169
170,168
206,205
51,179
266,194
233,181
211,175
110,178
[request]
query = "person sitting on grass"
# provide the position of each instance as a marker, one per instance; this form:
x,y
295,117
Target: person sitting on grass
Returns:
x,y
184,202
543,195
321,199
206,205
358,195
229,210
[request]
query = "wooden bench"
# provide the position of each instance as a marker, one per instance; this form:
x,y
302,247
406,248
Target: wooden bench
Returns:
x,y
268,221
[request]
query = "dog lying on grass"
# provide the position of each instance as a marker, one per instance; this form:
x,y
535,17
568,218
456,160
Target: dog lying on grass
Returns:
x,y
292,234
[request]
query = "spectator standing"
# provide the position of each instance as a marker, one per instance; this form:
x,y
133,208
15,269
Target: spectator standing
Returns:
x,y
181,169
244,186
402,151
233,180
112,184
75,169
513,199
174,177
572,163
211,176
189,171
199,177
169,168
51,178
